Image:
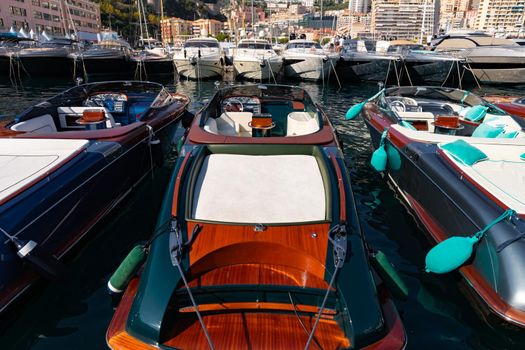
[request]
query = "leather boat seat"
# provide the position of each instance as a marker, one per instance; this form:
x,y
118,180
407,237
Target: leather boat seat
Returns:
x,y
230,124
301,123
43,124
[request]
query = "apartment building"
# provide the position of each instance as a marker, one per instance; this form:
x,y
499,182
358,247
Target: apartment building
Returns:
x,y
56,17
171,28
501,15
402,19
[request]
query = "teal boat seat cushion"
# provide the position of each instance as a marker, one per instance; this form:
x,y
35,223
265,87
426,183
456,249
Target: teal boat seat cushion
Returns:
x,y
476,113
407,125
464,152
508,135
488,131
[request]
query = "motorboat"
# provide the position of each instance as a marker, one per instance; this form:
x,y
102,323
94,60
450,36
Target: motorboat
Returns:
x,y
67,162
306,59
255,59
421,66
491,60
200,58
514,105
50,57
253,260
110,56
360,60
457,162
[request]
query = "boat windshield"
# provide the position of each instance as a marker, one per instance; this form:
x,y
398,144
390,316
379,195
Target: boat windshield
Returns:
x,y
303,45
201,44
255,46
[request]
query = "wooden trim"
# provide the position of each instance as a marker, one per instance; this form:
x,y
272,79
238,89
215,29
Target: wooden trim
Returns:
x,y
178,181
250,306
116,336
341,186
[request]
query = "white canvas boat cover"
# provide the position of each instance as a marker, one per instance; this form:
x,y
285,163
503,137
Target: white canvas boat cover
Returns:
x,y
259,189
22,161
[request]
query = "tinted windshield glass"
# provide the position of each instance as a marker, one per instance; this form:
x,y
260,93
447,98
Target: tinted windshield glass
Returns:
x,y
306,45
258,46
201,44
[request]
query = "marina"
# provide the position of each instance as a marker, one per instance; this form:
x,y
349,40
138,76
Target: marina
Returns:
x,y
279,182
74,304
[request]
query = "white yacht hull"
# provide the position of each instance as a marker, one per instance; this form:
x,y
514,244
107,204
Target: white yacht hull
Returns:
x,y
309,68
257,69
199,68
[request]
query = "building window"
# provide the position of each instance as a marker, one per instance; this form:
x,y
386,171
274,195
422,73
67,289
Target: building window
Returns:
x,y
17,11
54,7
1,22
35,2
45,4
37,15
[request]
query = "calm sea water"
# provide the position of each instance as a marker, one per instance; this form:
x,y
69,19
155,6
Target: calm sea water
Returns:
x,y
75,313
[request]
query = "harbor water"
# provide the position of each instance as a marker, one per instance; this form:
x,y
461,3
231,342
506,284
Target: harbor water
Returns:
x,y
74,313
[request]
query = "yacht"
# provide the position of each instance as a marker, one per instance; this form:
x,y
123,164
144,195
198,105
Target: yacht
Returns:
x,y
50,57
111,55
306,59
422,66
360,59
200,58
492,60
255,59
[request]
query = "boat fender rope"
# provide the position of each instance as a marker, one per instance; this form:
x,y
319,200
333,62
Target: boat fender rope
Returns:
x,y
379,157
176,251
519,224
337,236
453,252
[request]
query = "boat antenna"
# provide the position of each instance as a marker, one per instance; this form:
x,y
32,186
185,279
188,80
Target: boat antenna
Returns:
x,y
176,252
423,21
337,236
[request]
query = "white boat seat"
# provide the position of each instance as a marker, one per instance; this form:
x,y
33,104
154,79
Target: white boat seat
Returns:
x,y
39,125
301,123
77,112
230,124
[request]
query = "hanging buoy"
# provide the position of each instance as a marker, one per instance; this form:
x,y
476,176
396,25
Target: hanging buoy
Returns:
x,y
453,252
394,158
379,157
389,275
450,254
356,109
127,269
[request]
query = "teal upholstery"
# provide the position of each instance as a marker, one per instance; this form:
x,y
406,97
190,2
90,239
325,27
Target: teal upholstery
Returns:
x,y
488,131
508,135
464,152
476,113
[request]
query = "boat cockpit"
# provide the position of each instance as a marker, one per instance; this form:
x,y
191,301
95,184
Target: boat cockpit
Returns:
x,y
94,106
448,111
262,111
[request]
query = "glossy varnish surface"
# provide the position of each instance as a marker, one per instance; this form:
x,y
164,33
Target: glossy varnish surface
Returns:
x,y
301,247
255,330
259,274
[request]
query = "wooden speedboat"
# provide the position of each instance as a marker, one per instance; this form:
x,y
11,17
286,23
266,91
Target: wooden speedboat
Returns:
x,y
459,172
514,105
67,162
258,244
